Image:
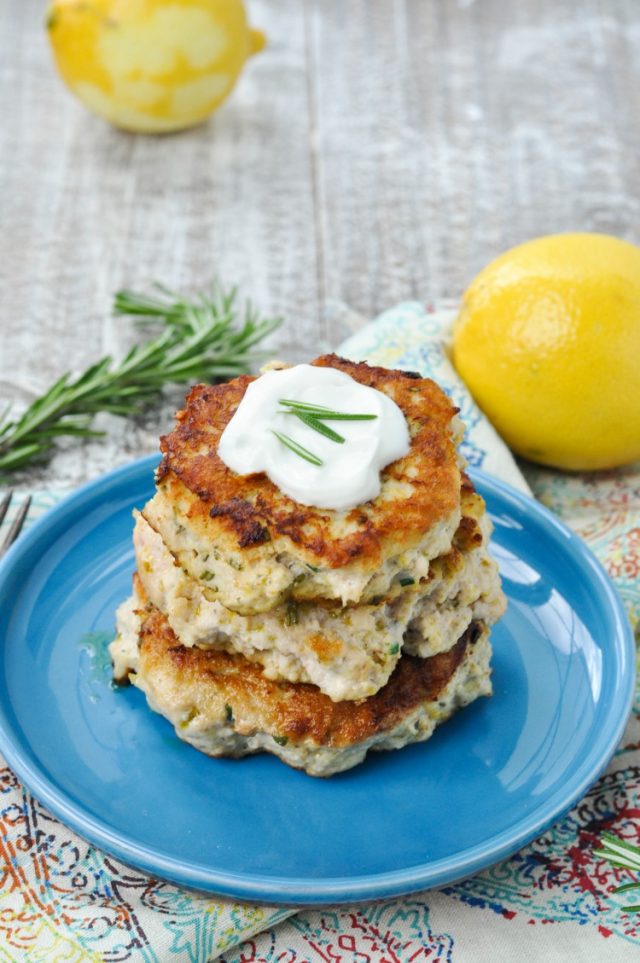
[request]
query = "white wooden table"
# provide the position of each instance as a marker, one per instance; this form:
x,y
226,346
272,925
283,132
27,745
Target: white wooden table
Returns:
x,y
376,150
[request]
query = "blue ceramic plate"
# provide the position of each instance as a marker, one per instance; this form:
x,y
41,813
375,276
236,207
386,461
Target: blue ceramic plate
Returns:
x,y
489,781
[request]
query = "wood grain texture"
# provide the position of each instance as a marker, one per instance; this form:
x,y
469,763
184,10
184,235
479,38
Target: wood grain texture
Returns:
x,y
376,150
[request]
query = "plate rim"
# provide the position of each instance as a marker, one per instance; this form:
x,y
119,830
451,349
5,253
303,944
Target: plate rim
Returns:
x,y
304,891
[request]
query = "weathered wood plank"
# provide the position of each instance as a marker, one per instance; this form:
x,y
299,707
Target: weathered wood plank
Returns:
x,y
448,132
88,209
377,150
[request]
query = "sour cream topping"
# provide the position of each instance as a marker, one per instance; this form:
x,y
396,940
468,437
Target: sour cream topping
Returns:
x,y
350,472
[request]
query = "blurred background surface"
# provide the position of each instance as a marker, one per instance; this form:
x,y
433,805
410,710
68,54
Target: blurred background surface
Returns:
x,y
375,151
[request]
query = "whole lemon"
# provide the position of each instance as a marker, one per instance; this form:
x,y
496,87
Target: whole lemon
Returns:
x,y
548,341
151,65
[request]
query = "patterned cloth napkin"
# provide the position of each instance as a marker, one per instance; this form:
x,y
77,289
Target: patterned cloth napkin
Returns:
x,y
61,899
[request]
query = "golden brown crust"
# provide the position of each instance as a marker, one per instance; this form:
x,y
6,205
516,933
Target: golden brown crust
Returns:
x,y
249,511
297,711
468,534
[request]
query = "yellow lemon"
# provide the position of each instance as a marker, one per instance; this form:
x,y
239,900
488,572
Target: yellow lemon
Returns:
x,y
548,341
151,65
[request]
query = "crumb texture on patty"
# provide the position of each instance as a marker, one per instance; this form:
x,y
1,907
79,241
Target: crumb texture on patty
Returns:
x,y
348,652
269,546
224,705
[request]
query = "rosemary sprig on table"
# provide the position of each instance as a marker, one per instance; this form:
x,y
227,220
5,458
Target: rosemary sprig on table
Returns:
x,y
314,416
204,338
624,855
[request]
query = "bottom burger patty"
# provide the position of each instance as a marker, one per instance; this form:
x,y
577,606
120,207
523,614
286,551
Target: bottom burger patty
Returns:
x,y
224,705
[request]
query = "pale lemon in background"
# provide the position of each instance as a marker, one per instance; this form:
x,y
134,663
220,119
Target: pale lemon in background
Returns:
x,y
151,65
548,341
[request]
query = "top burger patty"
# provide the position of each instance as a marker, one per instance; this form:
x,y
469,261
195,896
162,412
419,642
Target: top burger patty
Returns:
x,y
251,546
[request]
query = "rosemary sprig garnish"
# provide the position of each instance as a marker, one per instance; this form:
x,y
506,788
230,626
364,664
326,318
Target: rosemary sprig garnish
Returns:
x,y
297,449
320,412
625,856
318,426
204,338
314,416
303,405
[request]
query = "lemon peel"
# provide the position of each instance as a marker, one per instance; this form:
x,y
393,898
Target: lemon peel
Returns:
x,y
151,66
548,342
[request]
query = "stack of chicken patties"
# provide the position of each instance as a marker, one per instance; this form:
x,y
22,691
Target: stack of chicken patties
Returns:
x,y
261,624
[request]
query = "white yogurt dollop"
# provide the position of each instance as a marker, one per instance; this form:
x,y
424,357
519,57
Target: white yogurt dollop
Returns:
x,y
350,472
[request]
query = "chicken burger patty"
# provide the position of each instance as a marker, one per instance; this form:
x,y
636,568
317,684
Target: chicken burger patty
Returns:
x,y
224,705
252,546
348,652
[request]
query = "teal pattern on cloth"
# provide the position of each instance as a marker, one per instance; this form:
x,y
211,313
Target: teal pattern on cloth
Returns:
x,y
61,899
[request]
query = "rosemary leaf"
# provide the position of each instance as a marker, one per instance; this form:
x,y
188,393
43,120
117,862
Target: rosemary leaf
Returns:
x,y
318,426
296,448
627,887
342,416
304,405
320,412
623,855
619,849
